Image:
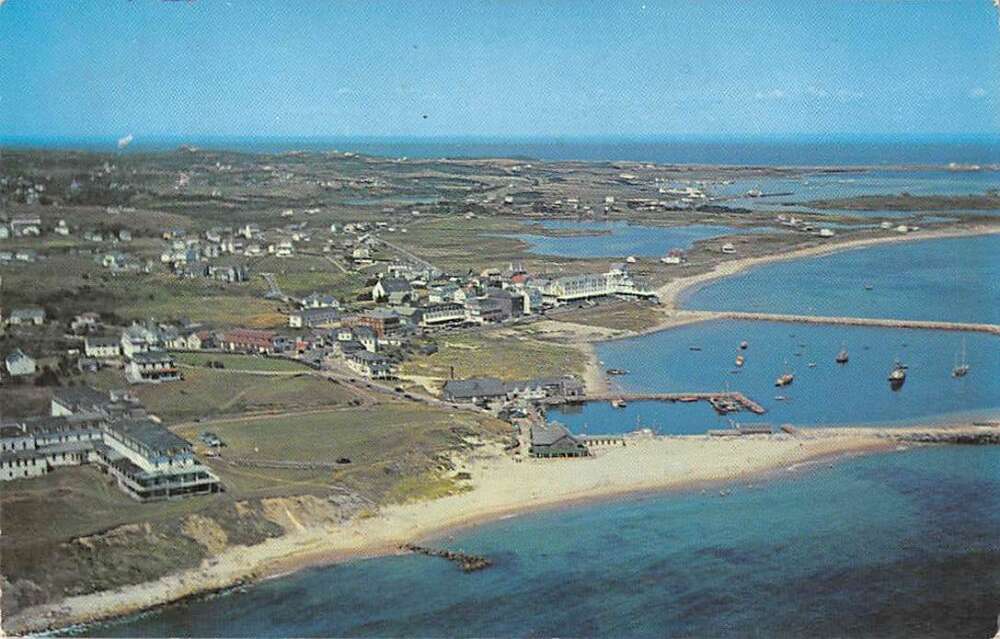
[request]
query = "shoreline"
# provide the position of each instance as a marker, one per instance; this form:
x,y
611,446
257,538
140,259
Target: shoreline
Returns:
x,y
502,488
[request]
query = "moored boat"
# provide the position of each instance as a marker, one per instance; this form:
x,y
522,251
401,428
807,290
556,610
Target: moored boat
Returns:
x,y
961,368
842,356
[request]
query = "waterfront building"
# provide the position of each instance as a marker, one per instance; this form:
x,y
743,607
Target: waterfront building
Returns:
x,y
554,440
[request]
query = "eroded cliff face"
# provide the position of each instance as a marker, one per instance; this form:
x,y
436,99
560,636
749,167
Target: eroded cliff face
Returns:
x,y
145,551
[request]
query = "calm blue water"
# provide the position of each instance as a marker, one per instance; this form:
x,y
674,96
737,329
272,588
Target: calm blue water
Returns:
x,y
855,393
956,279
817,186
741,150
621,239
900,545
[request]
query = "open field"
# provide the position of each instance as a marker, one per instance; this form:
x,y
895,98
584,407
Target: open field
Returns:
x,y
506,354
239,362
613,314
208,392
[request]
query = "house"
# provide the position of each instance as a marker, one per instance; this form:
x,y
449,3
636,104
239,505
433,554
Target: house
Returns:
x,y
476,389
26,226
315,300
19,364
313,317
24,316
370,365
541,387
137,339
85,322
394,290
444,293
554,440
151,367
102,347
366,337
249,340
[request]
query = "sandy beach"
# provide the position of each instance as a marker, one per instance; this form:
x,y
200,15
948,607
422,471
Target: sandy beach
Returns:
x,y
500,487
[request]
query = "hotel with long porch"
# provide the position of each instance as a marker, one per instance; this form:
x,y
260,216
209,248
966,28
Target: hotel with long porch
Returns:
x,y
111,431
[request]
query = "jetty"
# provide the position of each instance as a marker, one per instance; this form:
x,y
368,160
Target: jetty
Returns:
x,y
468,563
722,402
935,325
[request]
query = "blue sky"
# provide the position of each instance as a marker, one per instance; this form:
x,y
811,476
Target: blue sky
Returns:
x,y
91,68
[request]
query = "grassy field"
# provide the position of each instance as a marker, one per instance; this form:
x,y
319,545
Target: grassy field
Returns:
x,y
238,362
614,314
496,354
207,392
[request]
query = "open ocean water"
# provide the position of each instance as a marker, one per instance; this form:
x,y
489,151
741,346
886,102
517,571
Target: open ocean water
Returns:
x,y
897,545
802,150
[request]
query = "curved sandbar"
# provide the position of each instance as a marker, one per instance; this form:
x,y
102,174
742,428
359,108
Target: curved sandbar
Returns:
x,y
502,487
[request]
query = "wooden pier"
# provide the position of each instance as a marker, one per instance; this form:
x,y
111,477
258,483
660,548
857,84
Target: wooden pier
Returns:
x,y
468,563
723,402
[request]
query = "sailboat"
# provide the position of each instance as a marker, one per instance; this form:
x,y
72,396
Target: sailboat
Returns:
x,y
961,368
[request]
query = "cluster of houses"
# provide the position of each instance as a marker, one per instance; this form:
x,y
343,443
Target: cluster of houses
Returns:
x,y
111,431
487,390
426,299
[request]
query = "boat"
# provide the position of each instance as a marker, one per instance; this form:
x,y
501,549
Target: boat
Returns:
x,y
869,287
811,364
780,398
786,378
754,193
694,348
897,376
616,371
739,360
688,398
842,356
744,345
618,403
961,368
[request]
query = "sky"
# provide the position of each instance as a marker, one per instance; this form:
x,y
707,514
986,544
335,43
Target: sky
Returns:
x,y
528,68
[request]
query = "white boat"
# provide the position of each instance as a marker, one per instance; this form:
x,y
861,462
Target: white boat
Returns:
x,y
961,368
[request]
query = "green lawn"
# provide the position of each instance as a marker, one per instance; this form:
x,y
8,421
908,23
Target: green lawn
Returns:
x,y
236,361
488,354
207,392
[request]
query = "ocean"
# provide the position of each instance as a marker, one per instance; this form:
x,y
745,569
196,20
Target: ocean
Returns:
x,y
890,545
797,150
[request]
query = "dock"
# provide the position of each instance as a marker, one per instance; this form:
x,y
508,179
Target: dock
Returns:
x,y
468,563
722,402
